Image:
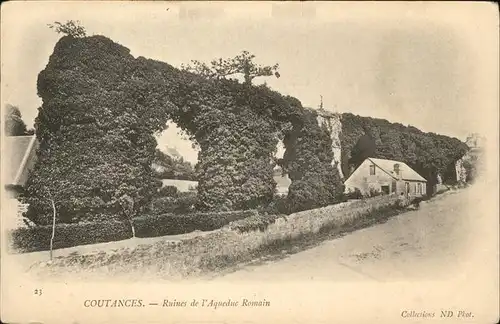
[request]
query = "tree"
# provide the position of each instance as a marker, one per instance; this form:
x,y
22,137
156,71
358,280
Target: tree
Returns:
x,y
70,28
127,209
173,167
240,64
14,124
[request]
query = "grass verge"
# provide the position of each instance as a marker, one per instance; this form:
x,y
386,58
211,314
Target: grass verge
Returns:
x,y
225,249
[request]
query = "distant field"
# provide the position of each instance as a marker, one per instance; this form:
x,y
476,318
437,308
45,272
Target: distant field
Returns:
x,y
282,183
181,185
185,185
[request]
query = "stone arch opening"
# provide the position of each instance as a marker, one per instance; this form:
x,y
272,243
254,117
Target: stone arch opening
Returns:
x,y
176,157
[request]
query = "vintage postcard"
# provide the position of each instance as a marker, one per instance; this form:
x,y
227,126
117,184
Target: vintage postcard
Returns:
x,y
249,162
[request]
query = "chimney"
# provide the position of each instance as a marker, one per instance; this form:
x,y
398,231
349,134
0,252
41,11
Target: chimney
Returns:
x,y
397,171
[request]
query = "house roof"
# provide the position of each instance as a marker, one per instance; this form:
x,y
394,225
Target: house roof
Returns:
x,y
388,167
19,157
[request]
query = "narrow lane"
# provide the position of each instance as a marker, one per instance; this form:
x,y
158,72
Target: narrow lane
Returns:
x,y
428,243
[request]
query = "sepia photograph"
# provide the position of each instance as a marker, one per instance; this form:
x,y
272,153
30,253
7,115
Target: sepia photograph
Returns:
x,y
249,162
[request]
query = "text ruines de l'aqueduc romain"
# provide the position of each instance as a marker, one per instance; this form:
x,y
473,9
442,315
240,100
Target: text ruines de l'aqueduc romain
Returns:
x,y
104,303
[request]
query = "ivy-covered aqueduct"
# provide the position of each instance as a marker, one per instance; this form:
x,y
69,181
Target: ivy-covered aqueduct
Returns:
x,y
102,107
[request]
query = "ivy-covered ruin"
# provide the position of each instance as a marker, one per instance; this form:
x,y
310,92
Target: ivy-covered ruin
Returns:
x,y
102,107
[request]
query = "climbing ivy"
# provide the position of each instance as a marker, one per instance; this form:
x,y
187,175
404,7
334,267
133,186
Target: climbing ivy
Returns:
x,y
102,107
308,160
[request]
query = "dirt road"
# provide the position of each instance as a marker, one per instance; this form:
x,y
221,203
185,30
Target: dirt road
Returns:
x,y
428,243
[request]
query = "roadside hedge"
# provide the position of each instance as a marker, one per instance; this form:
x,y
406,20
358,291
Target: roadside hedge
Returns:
x,y
172,224
67,235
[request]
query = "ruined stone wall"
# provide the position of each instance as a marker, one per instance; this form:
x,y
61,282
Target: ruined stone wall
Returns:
x,y
333,123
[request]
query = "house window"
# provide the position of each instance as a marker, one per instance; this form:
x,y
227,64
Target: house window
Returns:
x,y
385,189
372,169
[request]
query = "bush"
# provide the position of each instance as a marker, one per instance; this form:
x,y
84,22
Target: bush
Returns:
x,y
279,205
356,194
67,235
172,224
163,205
254,223
417,200
374,193
182,203
168,191
185,202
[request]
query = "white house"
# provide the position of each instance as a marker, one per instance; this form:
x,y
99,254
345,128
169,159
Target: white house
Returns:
x,y
386,176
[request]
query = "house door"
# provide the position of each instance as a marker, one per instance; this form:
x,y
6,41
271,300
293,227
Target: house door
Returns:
x,y
407,188
393,186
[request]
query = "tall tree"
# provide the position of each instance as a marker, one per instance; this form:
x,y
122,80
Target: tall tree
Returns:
x,y
241,64
13,122
173,167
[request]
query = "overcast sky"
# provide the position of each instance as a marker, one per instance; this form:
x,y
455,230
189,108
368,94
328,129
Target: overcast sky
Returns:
x,y
419,64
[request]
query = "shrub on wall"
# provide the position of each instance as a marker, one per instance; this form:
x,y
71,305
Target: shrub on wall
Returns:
x,y
254,223
356,194
182,203
279,205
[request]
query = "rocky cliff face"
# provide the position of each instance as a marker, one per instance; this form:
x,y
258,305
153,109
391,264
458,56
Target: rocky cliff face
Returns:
x,y
333,123
461,171
469,165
